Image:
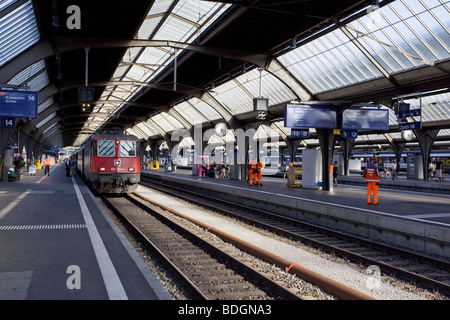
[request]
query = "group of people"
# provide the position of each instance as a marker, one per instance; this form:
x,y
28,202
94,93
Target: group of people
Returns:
x,y
390,172
71,165
220,170
436,170
254,172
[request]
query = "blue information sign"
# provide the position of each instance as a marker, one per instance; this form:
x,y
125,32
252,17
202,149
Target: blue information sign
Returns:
x,y
8,122
409,113
18,104
365,119
416,125
300,133
349,134
303,116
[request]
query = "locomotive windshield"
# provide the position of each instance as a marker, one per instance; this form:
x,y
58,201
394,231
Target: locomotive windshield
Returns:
x,y
106,148
127,148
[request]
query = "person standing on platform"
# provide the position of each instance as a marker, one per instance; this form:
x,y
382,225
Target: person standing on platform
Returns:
x,y
373,181
394,170
47,165
259,167
67,163
335,172
439,165
73,166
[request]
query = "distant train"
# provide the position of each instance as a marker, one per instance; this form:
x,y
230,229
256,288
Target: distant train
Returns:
x,y
388,157
110,163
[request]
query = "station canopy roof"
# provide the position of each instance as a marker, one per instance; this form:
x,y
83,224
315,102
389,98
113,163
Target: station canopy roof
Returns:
x,y
165,65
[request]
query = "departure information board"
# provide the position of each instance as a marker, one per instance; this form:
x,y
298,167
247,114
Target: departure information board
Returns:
x,y
305,116
365,119
18,104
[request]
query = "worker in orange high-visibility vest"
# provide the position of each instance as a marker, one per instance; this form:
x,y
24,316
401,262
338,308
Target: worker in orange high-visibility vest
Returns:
x,y
373,181
252,172
48,163
259,176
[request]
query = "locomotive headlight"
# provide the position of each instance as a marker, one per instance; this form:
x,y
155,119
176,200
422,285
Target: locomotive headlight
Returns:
x,y
131,169
101,169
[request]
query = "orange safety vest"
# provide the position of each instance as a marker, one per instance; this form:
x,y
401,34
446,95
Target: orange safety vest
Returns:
x,y
259,164
48,162
372,174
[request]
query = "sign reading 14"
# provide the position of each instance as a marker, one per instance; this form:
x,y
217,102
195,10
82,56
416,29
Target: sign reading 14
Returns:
x,y
7,122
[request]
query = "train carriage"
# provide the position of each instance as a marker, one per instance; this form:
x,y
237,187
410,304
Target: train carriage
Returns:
x,y
110,163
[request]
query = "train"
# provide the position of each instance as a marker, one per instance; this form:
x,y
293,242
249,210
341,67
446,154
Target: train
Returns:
x,y
110,163
387,158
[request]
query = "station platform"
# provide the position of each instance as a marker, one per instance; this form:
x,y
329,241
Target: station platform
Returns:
x,y
58,243
409,213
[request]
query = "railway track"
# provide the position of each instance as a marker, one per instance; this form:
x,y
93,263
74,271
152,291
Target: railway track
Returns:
x,y
207,271
426,271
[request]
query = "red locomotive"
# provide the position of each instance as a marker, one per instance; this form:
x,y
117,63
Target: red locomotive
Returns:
x,y
110,163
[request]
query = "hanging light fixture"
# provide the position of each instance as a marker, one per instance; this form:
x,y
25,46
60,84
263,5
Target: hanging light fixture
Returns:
x,y
86,94
260,104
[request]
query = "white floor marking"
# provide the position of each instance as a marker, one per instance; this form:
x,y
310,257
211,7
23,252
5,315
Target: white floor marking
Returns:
x,y
111,279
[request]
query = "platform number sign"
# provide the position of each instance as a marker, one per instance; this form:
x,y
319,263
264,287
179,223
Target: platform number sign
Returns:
x,y
349,134
299,133
7,122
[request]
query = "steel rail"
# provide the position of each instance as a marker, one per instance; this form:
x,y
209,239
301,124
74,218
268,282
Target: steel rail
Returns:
x,y
279,289
426,281
333,287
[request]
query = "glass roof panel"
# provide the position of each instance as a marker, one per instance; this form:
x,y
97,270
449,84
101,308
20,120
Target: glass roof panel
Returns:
x,y
190,113
399,36
6,3
330,62
49,128
22,77
205,109
18,31
45,104
405,34
136,133
178,21
234,97
147,129
434,108
237,95
159,9
47,119
167,122
271,87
